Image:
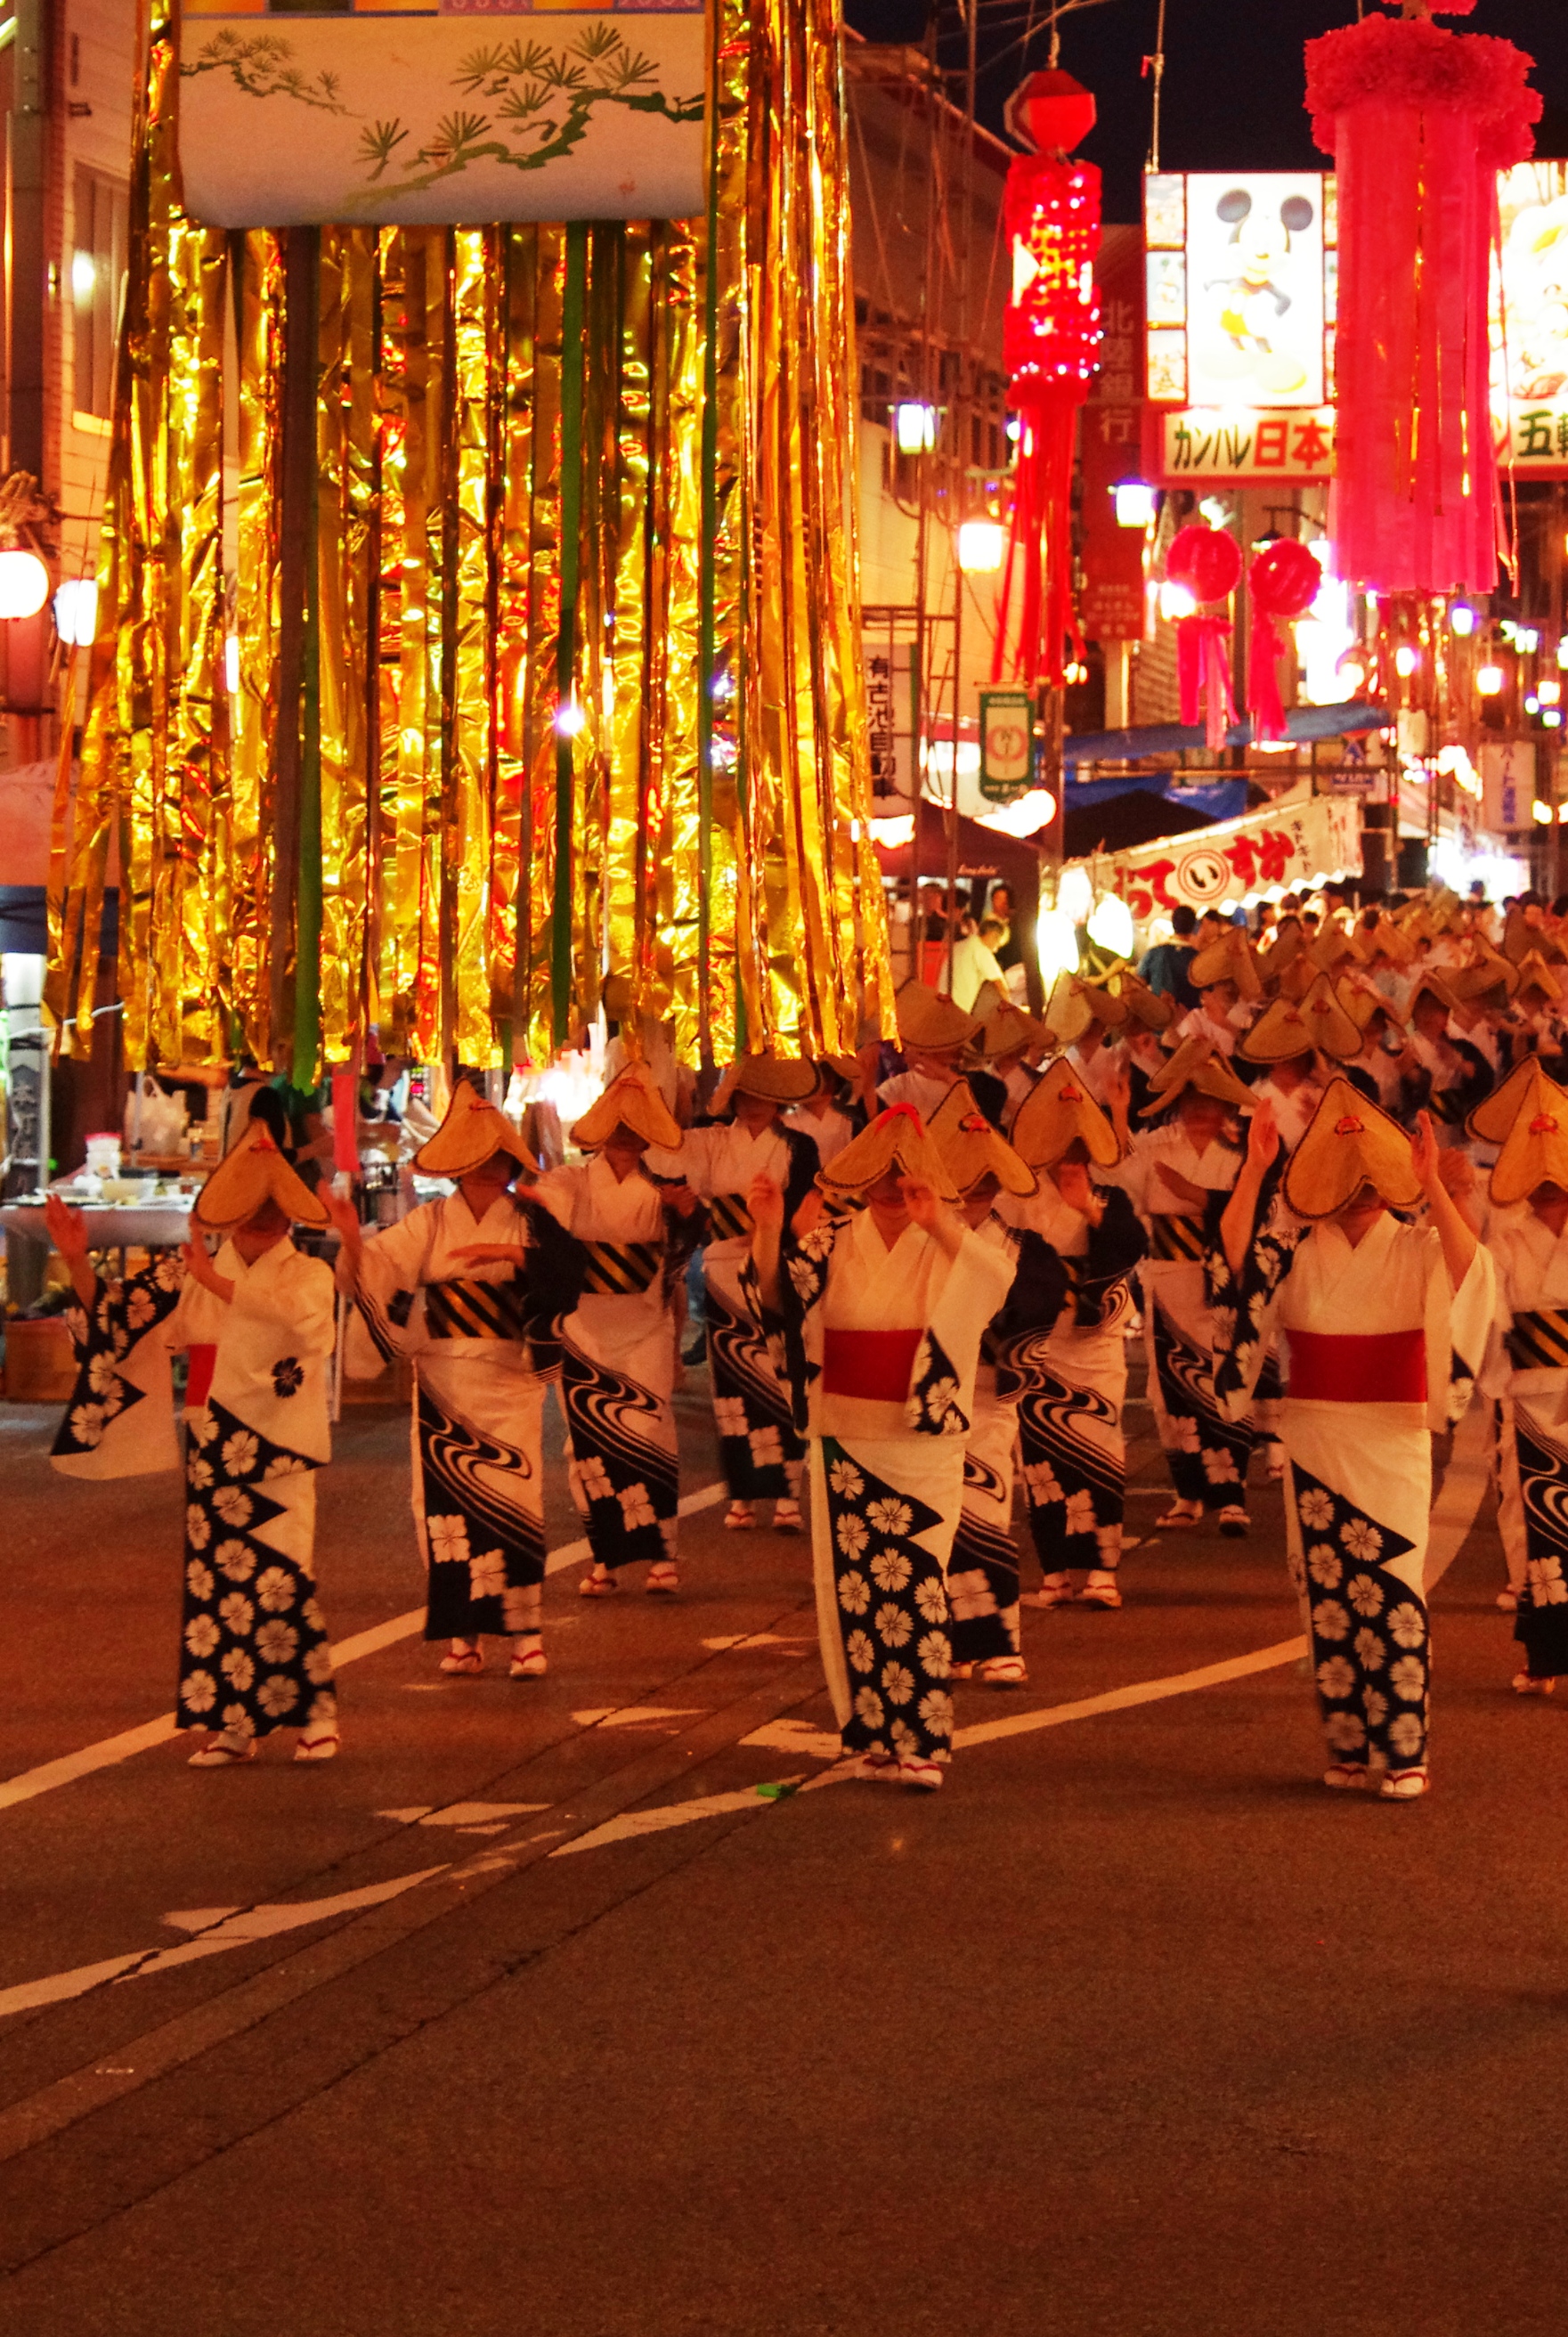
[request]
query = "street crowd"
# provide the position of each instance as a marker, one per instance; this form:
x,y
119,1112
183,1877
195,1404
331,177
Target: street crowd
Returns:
x,y
1318,1165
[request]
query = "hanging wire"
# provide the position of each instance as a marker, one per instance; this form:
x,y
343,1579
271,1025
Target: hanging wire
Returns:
x,y
1155,67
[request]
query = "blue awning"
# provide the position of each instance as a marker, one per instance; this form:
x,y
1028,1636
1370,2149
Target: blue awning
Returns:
x,y
1304,723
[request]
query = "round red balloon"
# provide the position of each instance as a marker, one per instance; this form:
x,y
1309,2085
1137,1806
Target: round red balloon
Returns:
x,y
1284,579
1205,559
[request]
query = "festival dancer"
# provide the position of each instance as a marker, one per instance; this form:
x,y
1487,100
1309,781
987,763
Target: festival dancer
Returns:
x,y
881,1312
1069,1385
618,1346
472,1331
1378,1317
935,1036
759,1451
1169,1174
831,1117
257,1324
983,1569
1526,1373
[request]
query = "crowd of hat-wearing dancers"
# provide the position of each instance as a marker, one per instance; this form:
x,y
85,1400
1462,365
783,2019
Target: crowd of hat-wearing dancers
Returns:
x,y
1329,1173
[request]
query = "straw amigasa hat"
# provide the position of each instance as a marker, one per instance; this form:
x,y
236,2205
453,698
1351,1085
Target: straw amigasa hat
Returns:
x,y
1350,1143
1196,1065
929,1020
1535,1151
970,1149
1068,1012
1360,1003
1434,985
1536,975
1056,1113
245,1180
1488,973
1004,1029
898,1140
774,1080
1383,935
472,1132
1150,1007
1230,959
1290,1028
1494,1117
632,1100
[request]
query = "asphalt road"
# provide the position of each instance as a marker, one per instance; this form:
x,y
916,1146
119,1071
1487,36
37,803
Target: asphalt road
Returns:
x,y
532,2014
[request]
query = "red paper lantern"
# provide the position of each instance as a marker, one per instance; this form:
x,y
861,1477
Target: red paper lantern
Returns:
x,y
1284,581
1208,563
1419,121
1051,338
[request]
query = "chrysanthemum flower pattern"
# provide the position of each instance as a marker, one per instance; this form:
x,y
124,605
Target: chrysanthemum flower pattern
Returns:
x,y
893,1604
1368,1631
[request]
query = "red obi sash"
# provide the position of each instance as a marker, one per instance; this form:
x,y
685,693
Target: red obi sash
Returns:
x,y
1385,1367
200,1363
875,1364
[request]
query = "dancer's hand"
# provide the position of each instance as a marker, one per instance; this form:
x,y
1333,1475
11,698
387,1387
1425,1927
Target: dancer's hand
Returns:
x,y
766,1201
927,1210
1263,1137
67,1230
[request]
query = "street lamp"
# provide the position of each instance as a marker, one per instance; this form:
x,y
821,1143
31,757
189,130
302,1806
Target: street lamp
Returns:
x,y
981,546
23,585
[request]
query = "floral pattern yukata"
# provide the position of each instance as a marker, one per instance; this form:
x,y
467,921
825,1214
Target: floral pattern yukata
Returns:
x,y
253,1648
887,1466
1527,1371
1379,1352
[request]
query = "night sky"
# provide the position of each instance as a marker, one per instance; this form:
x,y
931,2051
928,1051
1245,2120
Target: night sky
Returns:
x,y
1233,74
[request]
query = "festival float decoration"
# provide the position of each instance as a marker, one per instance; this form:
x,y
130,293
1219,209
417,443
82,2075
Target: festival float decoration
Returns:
x,y
540,663
1419,121
1283,581
1205,564
1050,348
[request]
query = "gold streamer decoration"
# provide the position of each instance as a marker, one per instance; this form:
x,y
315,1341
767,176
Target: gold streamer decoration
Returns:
x,y
641,433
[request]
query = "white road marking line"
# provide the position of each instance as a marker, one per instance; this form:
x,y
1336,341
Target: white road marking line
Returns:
x,y
1118,1699
110,1750
463,1814
791,1736
237,1928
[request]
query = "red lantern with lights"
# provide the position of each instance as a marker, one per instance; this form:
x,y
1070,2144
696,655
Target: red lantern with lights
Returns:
x,y
1051,345
1206,564
1284,581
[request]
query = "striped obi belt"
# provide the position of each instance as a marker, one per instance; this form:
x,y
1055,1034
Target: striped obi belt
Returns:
x,y
1178,1237
475,1310
1384,1368
729,1219
875,1364
621,1269
1538,1342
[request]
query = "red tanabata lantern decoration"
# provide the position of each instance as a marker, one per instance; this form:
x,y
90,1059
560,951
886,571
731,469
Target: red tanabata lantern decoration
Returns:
x,y
1050,346
1207,562
1419,121
1284,581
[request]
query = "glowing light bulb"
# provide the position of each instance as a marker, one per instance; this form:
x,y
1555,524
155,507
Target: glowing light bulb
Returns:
x,y
1462,618
981,546
1175,601
914,429
1491,681
23,585
1406,659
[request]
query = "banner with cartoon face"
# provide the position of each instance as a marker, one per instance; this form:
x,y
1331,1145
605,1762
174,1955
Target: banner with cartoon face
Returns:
x,y
448,115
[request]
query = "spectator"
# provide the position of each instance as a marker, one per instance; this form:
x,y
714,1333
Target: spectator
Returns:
x,y
1164,967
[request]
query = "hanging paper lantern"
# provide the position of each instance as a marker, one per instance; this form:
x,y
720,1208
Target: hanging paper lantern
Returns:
x,y
1207,562
1050,346
1284,581
1419,121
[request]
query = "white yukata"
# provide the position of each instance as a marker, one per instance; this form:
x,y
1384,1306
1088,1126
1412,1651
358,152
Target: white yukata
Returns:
x,y
478,1403
1379,1352
918,1087
617,1362
1206,1451
254,1654
883,1348
1527,1374
1295,1108
759,1451
1096,1071
828,1130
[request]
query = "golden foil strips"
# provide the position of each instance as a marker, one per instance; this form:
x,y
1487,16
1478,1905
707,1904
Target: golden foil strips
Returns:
x,y
587,639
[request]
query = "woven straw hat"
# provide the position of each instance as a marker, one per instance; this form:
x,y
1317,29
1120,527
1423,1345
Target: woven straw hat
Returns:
x,y
245,1179
772,1081
1360,1004
1230,959
897,1138
928,1019
1196,1065
1495,1115
1290,1028
1385,936
472,1132
1435,985
1350,1143
1535,1151
1150,1007
1108,1011
632,1100
1068,1012
971,1149
1054,1114
1534,973
1489,972
1004,1029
